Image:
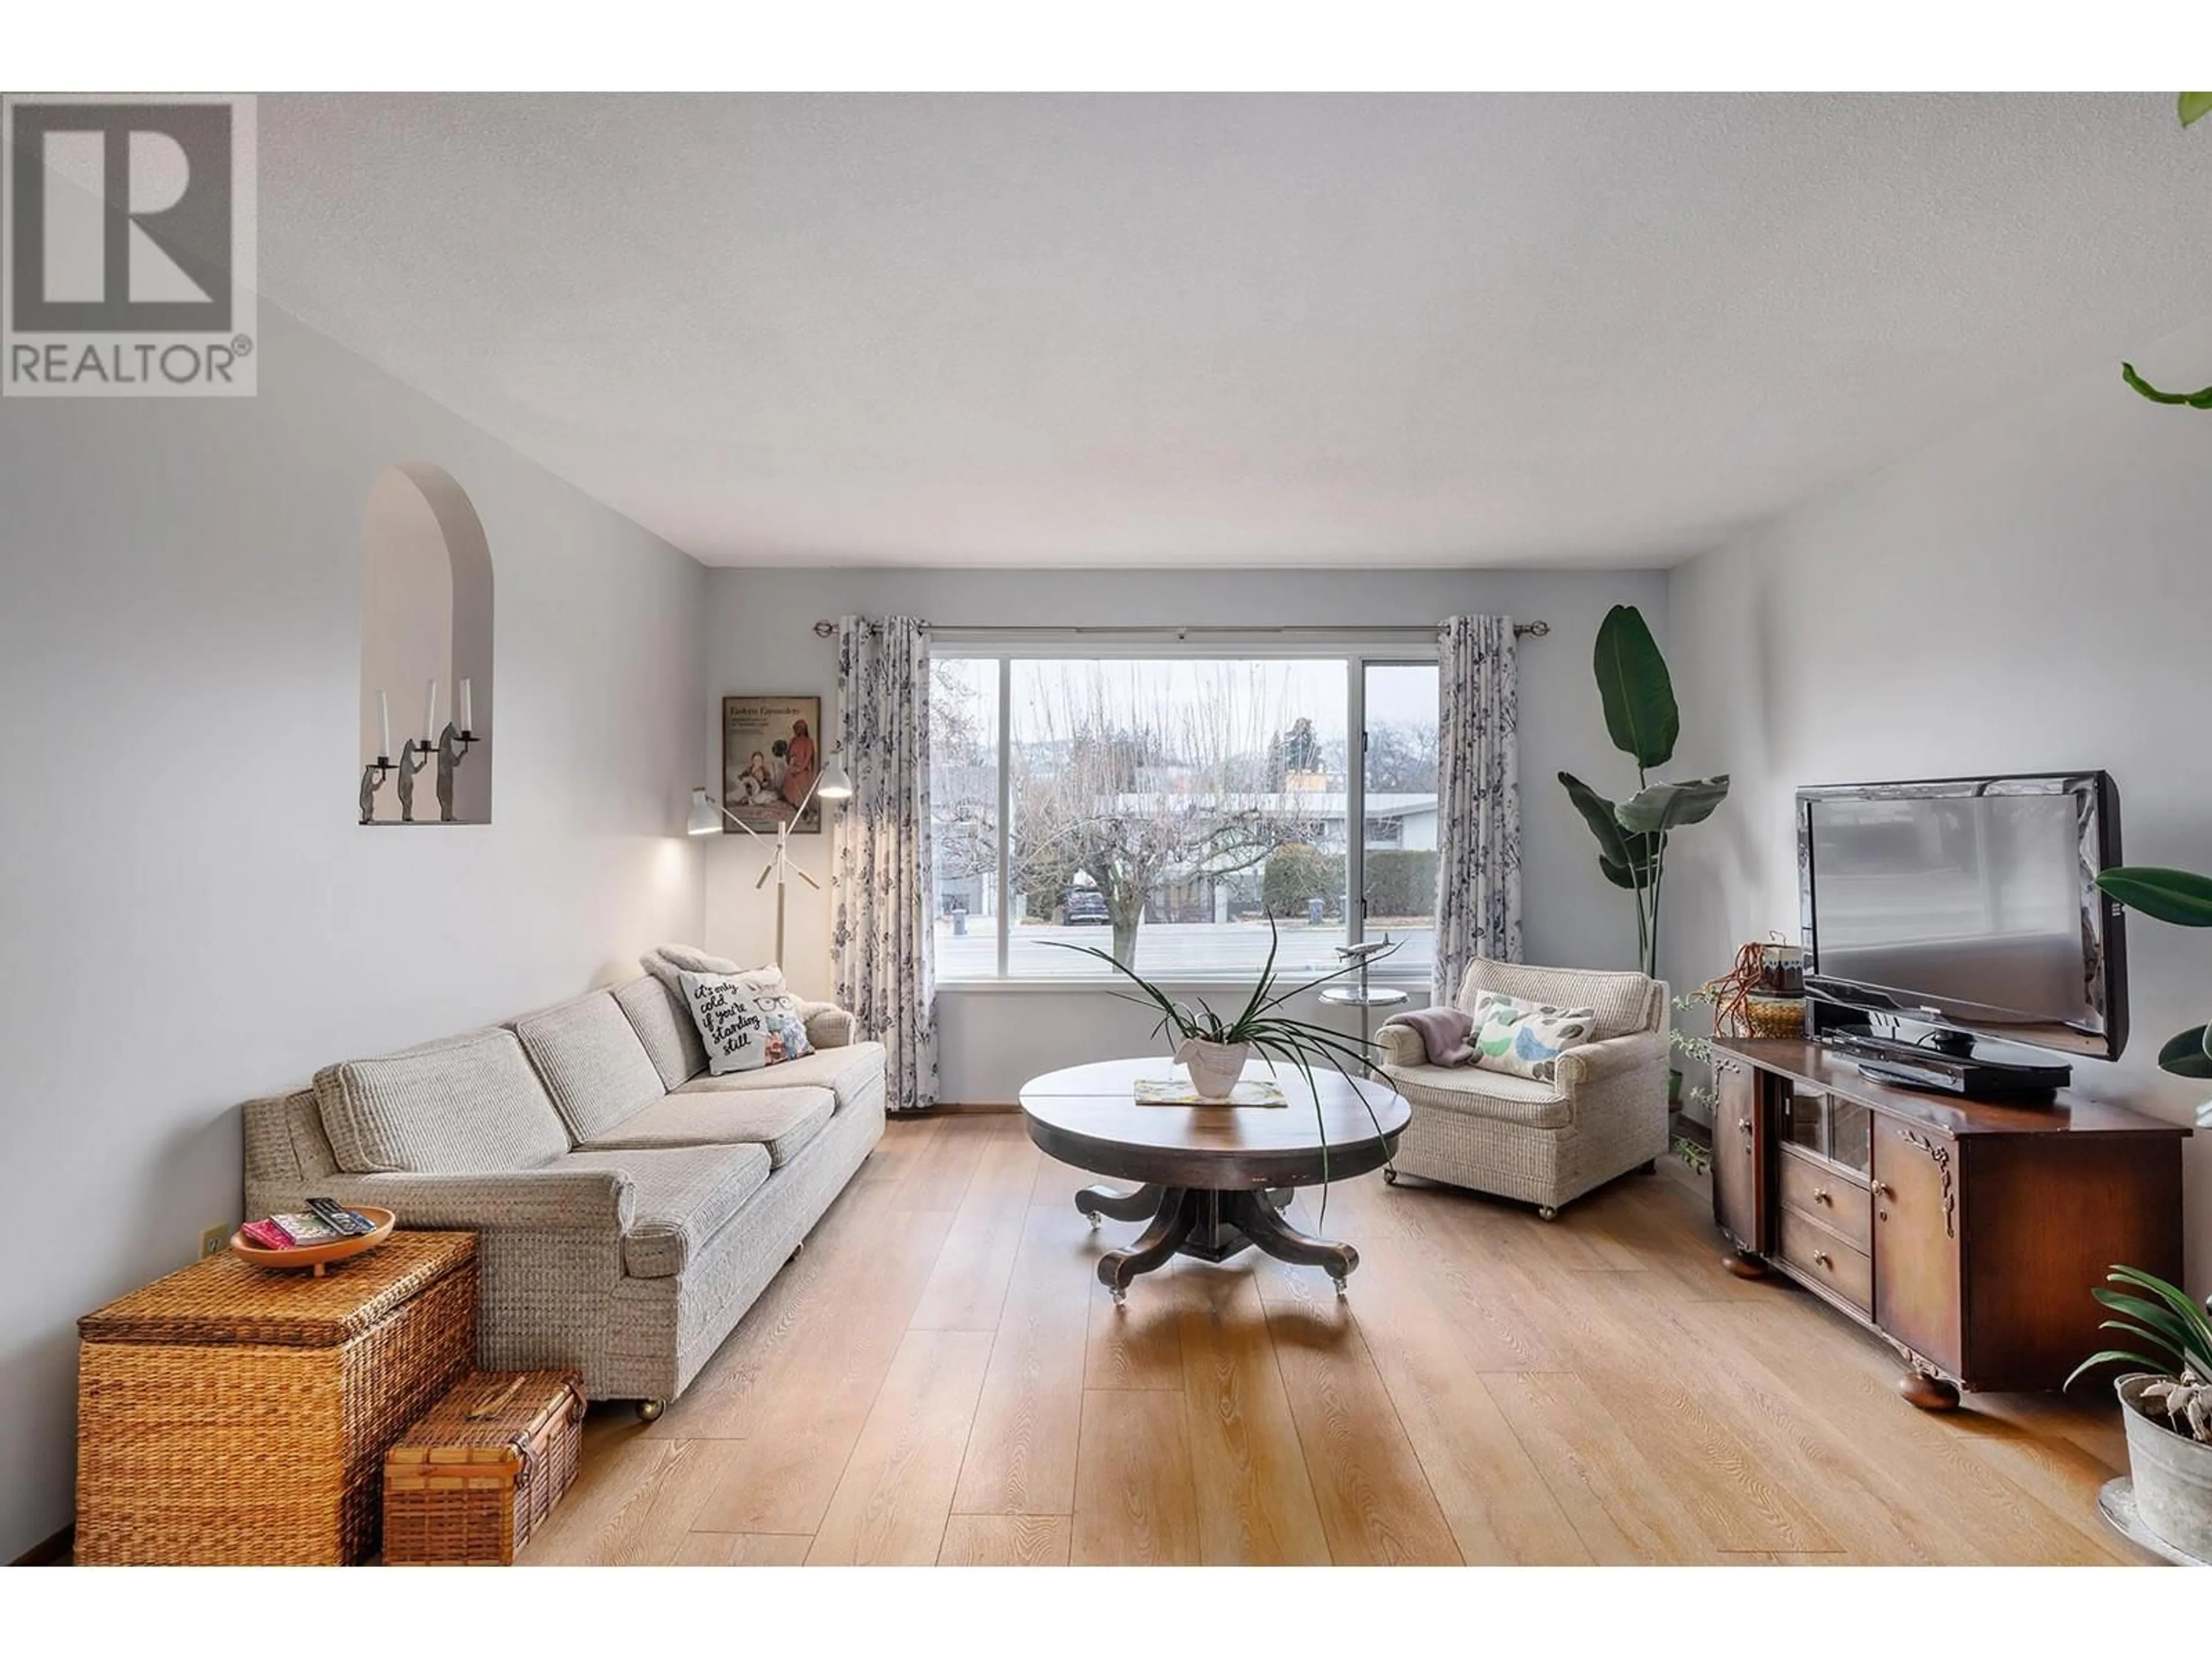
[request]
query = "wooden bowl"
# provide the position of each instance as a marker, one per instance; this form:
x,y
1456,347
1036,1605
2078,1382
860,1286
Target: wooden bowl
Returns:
x,y
316,1257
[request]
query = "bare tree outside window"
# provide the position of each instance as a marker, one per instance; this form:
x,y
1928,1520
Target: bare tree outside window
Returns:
x,y
1165,807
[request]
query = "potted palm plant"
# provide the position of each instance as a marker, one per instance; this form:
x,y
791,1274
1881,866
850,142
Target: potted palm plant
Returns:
x,y
1215,1047
2167,1408
1643,720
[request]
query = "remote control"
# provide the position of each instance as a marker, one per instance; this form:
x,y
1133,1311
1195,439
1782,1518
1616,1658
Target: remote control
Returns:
x,y
341,1219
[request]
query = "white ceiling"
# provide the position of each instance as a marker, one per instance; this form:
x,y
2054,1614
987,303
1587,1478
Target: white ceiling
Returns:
x,y
1229,330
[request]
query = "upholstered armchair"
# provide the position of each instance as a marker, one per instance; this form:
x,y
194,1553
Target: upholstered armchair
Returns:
x,y
1545,1144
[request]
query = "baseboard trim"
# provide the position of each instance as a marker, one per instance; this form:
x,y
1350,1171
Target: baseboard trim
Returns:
x,y
55,1552
958,1109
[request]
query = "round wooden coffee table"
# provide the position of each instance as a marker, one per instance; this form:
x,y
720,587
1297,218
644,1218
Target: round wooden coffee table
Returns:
x,y
1214,1180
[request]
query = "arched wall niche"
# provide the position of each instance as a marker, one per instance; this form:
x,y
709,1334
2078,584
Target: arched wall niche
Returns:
x,y
426,619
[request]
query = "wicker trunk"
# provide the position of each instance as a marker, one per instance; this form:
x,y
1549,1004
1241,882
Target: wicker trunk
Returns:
x,y
231,1414
467,1486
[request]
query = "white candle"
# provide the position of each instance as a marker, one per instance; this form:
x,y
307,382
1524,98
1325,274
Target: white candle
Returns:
x,y
383,726
430,716
468,708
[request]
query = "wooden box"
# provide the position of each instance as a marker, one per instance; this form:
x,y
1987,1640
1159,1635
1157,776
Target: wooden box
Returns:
x,y
469,1484
231,1414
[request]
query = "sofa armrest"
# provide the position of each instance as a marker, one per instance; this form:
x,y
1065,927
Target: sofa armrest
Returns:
x,y
597,1201
1593,1062
1401,1046
829,1026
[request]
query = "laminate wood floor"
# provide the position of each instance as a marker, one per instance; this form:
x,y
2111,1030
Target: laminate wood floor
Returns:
x,y
939,1378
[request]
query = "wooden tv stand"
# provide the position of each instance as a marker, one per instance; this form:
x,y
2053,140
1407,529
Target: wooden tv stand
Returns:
x,y
1966,1232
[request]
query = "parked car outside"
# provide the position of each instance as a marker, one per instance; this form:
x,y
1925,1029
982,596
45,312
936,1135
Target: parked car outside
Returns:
x,y
1085,907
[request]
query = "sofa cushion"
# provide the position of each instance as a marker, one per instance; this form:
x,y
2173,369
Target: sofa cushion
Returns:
x,y
781,1120
462,1103
682,1196
663,1024
1478,1091
851,1071
594,1066
1620,1001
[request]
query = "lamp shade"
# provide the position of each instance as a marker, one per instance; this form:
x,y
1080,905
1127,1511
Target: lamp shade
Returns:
x,y
835,784
706,816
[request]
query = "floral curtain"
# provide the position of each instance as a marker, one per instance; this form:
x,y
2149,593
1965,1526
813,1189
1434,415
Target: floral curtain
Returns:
x,y
1479,797
882,946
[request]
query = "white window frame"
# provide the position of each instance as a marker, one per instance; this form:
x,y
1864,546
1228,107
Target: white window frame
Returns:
x,y
1358,651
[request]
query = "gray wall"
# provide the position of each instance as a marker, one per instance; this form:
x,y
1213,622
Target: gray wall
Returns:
x,y
760,640
2031,595
189,914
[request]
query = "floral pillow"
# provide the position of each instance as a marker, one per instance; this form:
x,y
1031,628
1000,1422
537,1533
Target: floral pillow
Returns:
x,y
1527,1038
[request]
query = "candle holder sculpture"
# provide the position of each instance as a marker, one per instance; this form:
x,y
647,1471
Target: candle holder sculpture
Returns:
x,y
452,750
372,780
413,757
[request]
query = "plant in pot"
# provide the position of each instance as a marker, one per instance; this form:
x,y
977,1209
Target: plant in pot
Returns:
x,y
1643,721
2168,1407
1216,1047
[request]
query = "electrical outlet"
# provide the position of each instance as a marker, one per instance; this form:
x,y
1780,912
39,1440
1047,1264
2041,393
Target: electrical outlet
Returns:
x,y
215,1240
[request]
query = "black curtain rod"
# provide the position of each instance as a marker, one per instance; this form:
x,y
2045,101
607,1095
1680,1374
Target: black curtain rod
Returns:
x,y
827,630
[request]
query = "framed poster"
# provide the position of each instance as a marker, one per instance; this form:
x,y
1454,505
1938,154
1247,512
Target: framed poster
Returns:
x,y
771,755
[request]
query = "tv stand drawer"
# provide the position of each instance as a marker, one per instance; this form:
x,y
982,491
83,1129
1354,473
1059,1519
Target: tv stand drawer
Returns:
x,y
1824,1257
1828,1194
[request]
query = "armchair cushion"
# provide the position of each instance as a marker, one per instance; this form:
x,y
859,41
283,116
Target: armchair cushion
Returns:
x,y
1477,1091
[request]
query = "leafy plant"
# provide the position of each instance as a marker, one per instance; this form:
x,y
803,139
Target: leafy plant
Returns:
x,y
1643,720
2185,900
2174,1325
1273,1035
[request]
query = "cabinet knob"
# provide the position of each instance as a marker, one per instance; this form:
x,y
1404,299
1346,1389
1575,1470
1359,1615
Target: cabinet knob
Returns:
x,y
1744,1124
1824,1259
1882,1189
1820,1195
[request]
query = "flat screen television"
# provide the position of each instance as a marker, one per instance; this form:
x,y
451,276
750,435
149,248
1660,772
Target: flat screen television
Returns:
x,y
1947,918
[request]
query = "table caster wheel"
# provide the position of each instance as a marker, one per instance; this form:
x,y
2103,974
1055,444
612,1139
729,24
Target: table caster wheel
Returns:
x,y
1120,1295
1097,1221
1547,1212
649,1411
1343,1290
1389,1175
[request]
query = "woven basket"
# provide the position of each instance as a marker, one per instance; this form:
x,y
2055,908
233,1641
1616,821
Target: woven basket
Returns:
x,y
229,1414
468,1485
1774,1016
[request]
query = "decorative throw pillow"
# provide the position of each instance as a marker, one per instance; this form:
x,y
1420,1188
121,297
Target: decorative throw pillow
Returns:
x,y
1527,1038
743,1026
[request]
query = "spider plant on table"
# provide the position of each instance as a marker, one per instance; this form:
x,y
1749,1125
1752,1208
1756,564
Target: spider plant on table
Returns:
x,y
1260,1024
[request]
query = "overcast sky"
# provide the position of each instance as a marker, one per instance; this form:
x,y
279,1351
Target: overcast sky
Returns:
x,y
1244,699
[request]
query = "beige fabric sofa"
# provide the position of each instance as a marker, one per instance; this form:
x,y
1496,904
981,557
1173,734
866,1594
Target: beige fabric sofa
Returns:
x,y
629,1206
1545,1143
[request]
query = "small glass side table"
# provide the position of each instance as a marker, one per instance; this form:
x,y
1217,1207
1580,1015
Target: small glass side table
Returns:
x,y
1366,999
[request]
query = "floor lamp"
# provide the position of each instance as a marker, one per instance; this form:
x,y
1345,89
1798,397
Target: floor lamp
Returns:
x,y
831,783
